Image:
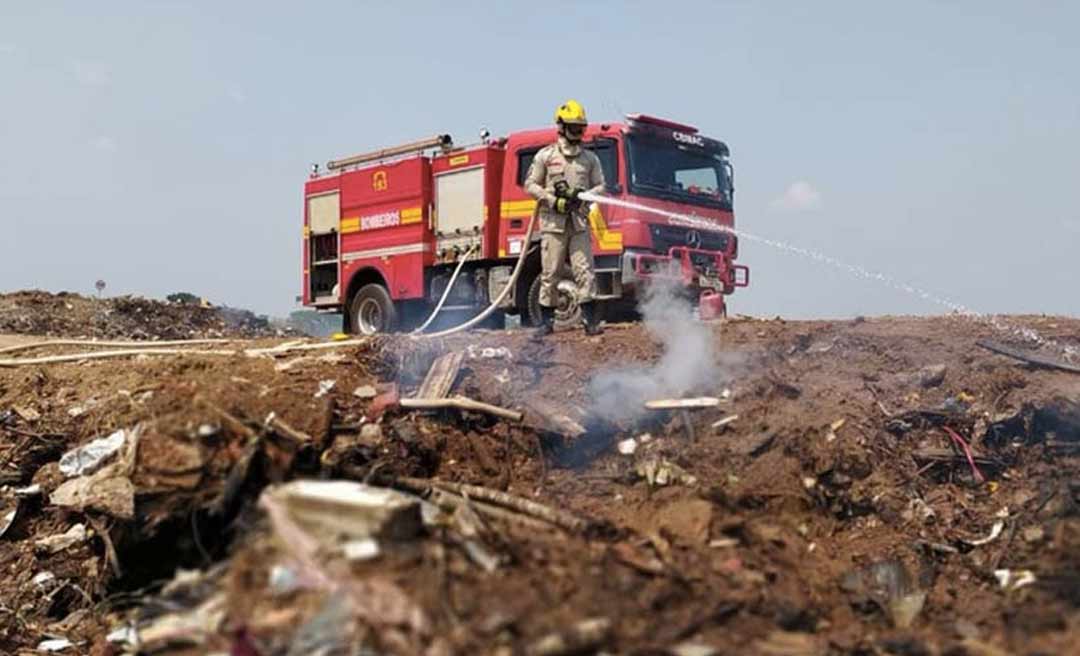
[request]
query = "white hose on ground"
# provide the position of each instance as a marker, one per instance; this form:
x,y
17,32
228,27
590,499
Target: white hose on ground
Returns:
x,y
446,292
506,290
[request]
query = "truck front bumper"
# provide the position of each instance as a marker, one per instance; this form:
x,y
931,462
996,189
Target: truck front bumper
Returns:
x,y
693,268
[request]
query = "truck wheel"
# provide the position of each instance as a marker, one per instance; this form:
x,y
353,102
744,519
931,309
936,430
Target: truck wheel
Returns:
x,y
563,315
372,311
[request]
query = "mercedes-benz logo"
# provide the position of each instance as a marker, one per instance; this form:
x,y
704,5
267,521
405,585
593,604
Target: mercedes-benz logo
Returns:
x,y
693,239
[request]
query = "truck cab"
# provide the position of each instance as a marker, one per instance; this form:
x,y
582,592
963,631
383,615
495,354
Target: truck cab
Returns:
x,y
649,164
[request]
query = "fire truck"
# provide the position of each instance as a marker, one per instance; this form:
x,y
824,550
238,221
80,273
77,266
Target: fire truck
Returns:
x,y
385,231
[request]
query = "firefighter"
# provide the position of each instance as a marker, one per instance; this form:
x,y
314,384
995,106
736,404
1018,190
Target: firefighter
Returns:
x,y
559,174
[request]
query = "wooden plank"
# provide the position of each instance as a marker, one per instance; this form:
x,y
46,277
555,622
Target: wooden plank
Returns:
x,y
680,404
546,417
441,377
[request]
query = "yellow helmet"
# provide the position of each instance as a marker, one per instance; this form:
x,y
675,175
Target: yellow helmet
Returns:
x,y
571,113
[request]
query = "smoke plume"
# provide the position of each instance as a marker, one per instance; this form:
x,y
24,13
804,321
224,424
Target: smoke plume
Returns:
x,y
688,364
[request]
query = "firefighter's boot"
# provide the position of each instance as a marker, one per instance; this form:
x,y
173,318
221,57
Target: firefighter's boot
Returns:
x,y
590,319
547,322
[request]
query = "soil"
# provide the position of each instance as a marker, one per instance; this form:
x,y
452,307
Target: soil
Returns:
x,y
835,515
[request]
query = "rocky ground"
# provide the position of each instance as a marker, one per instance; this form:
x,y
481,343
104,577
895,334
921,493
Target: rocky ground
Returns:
x,y
824,503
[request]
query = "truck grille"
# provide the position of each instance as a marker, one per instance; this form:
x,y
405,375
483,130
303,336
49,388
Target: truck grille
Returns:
x,y
664,237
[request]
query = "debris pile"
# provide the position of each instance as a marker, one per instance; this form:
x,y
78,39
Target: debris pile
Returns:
x,y
125,317
872,487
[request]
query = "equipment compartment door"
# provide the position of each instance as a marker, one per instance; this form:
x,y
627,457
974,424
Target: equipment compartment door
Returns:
x,y
324,218
459,208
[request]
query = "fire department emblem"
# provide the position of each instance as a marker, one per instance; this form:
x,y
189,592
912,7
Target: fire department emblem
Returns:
x,y
378,181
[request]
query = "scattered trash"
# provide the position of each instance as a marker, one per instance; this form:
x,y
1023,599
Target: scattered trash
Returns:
x,y
114,496
56,543
726,421
325,386
365,392
584,636
55,644
345,509
627,447
283,580
932,375
27,413
488,353
1034,534
1032,359
995,531
42,578
9,510
1012,579
659,472
723,543
889,586
833,427
89,457
363,549
193,627
967,453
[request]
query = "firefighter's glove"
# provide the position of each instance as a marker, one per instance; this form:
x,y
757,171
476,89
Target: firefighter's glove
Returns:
x,y
563,205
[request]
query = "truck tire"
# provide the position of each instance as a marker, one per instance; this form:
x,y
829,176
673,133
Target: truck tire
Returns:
x,y
562,316
372,311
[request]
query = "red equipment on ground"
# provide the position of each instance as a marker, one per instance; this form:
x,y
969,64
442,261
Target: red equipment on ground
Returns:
x,y
384,231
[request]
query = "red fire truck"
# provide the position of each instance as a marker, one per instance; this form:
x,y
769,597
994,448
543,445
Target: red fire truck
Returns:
x,y
385,230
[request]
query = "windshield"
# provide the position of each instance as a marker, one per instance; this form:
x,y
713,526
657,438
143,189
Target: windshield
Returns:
x,y
678,172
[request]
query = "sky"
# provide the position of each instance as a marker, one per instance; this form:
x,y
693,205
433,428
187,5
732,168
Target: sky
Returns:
x,y
163,146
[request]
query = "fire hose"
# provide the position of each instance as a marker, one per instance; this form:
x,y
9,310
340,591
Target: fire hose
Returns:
x,y
505,290
446,292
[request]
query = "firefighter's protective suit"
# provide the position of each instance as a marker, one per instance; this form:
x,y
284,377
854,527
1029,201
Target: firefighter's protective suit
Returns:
x,y
558,174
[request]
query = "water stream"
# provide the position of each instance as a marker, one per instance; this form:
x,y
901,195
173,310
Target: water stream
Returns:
x,y
1023,332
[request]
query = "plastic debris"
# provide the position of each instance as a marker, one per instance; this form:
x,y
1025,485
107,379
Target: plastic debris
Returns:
x,y
54,644
890,586
357,550
583,637
488,353
28,491
9,510
325,386
346,509
88,458
43,578
61,541
627,447
659,472
365,392
833,427
1012,579
283,580
995,531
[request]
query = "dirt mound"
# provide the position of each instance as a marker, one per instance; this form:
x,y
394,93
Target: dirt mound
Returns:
x,y
124,317
872,487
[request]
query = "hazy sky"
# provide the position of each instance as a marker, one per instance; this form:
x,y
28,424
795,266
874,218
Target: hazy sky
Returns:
x,y
163,146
